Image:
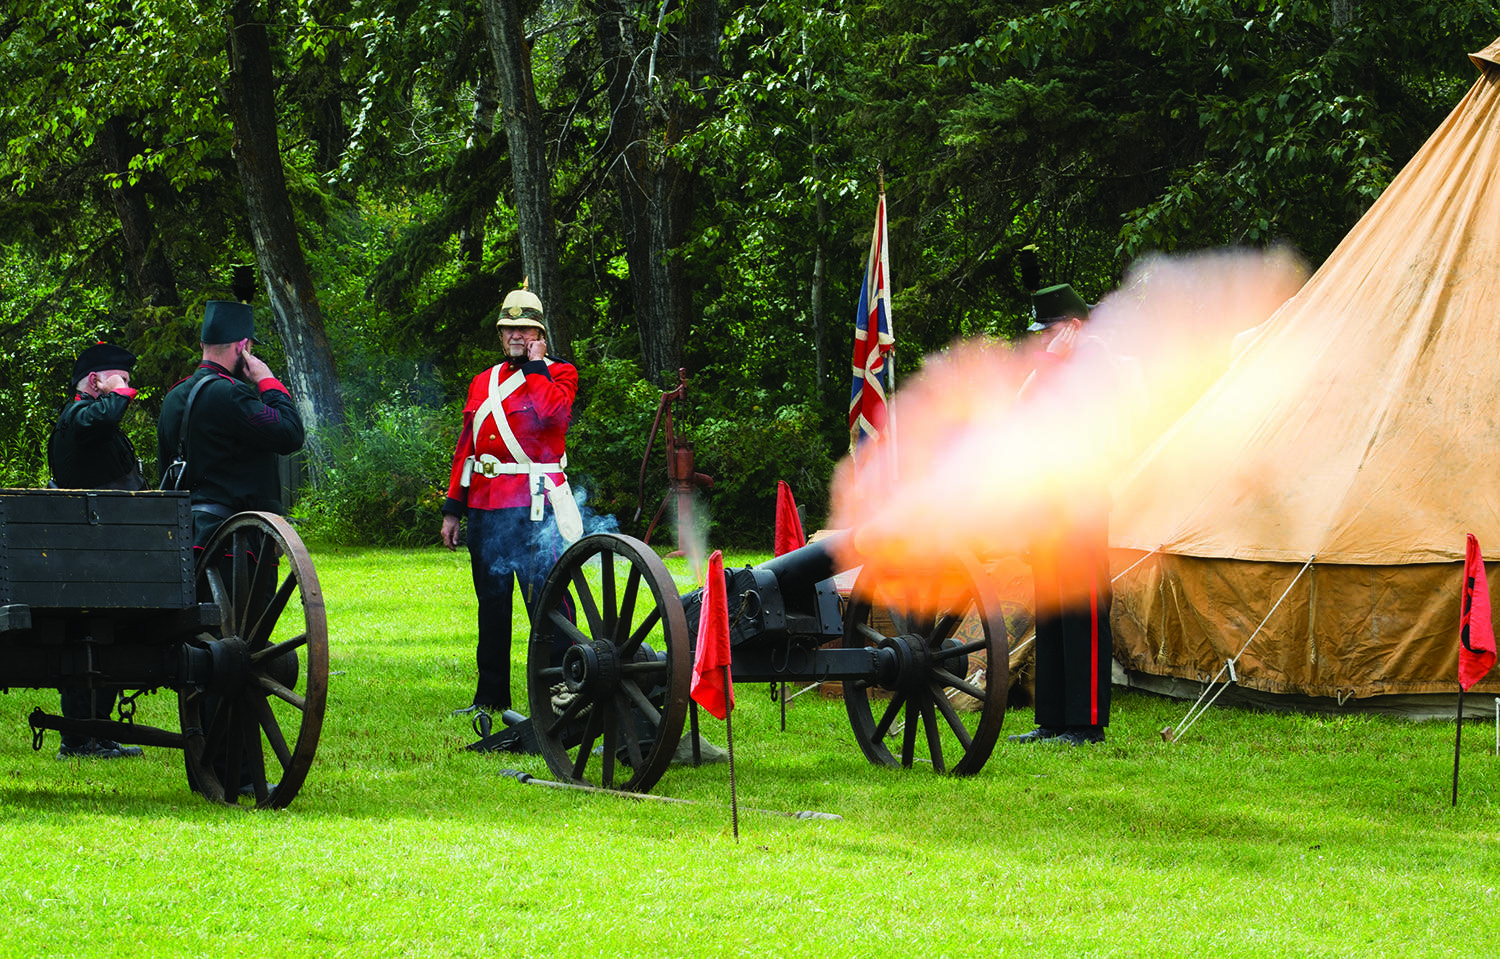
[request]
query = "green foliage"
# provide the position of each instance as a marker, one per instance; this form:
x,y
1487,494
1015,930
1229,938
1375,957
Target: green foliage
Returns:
x,y
389,476
748,448
607,438
386,481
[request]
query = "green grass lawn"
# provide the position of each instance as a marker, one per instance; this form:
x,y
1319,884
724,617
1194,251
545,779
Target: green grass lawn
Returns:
x,y
1260,835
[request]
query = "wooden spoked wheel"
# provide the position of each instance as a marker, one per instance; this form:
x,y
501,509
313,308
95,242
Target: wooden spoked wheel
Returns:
x,y
608,665
940,702
251,727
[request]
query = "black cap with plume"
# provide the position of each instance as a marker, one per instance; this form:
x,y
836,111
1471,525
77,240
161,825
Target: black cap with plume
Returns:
x,y
242,283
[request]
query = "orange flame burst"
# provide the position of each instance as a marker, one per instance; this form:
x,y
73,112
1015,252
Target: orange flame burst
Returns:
x,y
973,469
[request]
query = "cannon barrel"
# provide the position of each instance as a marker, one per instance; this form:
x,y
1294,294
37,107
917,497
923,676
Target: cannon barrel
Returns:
x,y
800,570
780,594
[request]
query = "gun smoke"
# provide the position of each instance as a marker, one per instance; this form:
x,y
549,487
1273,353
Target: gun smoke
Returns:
x,y
972,469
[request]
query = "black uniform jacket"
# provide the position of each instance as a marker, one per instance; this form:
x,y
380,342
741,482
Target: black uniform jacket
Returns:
x,y
87,449
235,432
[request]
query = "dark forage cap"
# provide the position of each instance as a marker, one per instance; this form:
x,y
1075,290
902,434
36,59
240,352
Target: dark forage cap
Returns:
x,y
100,357
226,321
1055,304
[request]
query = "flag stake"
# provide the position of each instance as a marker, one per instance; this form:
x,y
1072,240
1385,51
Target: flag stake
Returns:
x,y
1458,735
693,731
734,799
711,685
1476,637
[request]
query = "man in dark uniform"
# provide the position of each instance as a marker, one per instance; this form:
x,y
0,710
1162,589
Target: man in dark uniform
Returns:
x,y
1070,561
507,480
240,421
88,450
238,425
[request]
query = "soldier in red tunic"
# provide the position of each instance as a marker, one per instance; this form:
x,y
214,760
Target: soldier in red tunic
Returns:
x,y
507,480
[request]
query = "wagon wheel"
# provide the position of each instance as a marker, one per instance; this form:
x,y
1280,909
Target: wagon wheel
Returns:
x,y
931,661
607,665
269,683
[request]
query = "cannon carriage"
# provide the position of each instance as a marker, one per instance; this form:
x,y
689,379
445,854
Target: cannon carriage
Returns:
x,y
610,658
100,590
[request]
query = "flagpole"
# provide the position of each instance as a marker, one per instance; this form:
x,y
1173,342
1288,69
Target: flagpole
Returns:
x,y
710,689
890,317
873,344
734,801
693,731
1476,637
1458,734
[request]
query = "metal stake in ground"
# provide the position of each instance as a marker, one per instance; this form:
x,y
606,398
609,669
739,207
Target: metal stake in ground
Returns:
x,y
530,780
1458,736
734,800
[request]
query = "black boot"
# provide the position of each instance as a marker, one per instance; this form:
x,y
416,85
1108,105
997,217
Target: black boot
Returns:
x,y
1037,735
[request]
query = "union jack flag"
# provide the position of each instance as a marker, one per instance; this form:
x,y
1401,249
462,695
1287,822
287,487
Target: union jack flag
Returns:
x,y
872,341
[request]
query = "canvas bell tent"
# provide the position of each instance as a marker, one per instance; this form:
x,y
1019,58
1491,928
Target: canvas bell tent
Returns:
x,y
1306,518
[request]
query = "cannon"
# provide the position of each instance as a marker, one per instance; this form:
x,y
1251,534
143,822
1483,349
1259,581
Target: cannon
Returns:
x,y
610,657
99,589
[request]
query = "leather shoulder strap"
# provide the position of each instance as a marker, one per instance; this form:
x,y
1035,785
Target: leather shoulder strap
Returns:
x,y
182,434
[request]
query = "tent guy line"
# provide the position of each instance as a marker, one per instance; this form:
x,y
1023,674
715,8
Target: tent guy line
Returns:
x,y
1116,577
1200,707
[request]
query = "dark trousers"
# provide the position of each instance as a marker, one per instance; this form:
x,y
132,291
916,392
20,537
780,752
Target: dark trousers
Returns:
x,y
506,549
1074,646
257,550
80,702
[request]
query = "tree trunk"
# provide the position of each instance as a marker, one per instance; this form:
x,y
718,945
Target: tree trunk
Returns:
x,y
471,237
278,249
528,160
1343,13
648,118
820,263
330,129
150,267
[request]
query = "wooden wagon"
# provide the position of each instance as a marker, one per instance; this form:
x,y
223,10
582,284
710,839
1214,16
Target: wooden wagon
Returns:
x,y
100,590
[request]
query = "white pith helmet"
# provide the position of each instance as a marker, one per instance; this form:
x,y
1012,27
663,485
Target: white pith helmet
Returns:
x,y
521,308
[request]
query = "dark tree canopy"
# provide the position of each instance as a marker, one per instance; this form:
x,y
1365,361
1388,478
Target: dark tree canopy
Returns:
x,y
704,172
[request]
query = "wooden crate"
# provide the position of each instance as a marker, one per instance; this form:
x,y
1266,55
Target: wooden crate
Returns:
x,y
96,549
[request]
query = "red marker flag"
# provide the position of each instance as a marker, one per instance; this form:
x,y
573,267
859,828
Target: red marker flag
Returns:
x,y
712,687
789,535
1476,631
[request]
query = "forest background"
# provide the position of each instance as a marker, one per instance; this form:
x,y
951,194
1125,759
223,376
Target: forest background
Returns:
x,y
688,184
